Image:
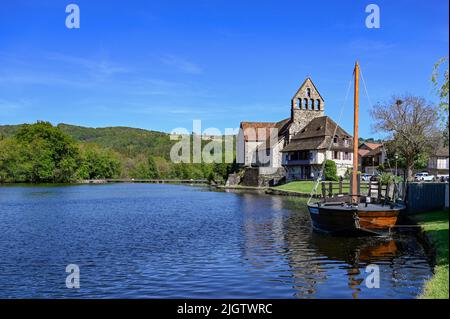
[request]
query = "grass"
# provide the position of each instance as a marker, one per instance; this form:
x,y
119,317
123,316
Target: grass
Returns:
x,y
435,226
307,186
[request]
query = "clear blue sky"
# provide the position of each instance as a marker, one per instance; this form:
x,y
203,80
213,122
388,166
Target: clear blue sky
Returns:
x,y
160,64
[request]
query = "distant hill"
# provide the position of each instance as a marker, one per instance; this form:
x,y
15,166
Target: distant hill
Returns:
x,y
125,140
128,141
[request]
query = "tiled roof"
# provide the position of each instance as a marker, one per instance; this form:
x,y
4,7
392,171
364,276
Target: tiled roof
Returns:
x,y
442,151
363,152
321,126
372,146
257,131
319,134
282,126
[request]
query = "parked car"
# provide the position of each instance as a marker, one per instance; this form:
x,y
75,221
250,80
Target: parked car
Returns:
x,y
443,178
424,176
366,177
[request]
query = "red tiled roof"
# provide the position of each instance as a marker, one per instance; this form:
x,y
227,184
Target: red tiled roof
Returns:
x,y
372,146
363,152
257,131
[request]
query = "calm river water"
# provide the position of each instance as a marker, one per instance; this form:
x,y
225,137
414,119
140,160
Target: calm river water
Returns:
x,y
170,241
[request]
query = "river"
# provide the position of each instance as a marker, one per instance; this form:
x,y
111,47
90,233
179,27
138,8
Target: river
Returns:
x,y
173,241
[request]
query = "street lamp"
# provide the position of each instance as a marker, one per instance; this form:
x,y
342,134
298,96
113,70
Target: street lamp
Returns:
x,y
396,158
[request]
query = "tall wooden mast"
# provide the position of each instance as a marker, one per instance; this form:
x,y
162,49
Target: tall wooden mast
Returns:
x,y
355,137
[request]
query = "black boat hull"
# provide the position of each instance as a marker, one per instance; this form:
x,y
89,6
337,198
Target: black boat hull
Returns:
x,y
345,219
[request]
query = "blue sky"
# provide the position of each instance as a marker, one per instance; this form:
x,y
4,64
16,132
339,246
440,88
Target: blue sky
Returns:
x,y
161,64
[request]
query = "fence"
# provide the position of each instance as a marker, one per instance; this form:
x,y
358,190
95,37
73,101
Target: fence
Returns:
x,y
422,197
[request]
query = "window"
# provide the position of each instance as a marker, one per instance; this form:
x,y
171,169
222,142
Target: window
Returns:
x,y
311,106
347,156
308,92
305,104
336,155
298,104
318,105
335,139
345,142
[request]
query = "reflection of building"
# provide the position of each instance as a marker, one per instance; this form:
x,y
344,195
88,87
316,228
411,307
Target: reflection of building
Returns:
x,y
371,156
438,163
276,242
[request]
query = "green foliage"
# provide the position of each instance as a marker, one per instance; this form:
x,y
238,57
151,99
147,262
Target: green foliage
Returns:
x,y
97,163
41,152
330,171
152,169
440,82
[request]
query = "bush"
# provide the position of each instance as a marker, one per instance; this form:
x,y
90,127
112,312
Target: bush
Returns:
x,y
330,171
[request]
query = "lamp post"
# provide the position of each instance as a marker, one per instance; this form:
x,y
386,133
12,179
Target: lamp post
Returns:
x,y
396,158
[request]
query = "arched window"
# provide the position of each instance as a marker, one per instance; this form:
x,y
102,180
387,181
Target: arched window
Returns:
x,y
308,92
305,104
311,107
298,104
318,105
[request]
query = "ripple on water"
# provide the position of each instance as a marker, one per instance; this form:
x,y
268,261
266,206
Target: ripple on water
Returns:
x,y
169,241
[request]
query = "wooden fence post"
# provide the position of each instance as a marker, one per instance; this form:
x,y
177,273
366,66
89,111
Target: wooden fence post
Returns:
x,y
324,190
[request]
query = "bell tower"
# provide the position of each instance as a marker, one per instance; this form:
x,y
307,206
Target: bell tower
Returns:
x,y
306,105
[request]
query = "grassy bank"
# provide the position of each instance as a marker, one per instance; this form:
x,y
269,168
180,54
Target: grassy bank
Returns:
x,y
435,226
307,186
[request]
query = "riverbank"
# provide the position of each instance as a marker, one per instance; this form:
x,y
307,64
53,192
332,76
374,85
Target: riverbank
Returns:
x,y
435,226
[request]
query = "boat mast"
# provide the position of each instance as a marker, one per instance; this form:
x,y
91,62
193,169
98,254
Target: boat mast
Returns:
x,y
355,137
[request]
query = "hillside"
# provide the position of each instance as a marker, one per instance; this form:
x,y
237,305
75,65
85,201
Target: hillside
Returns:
x,y
130,142
125,140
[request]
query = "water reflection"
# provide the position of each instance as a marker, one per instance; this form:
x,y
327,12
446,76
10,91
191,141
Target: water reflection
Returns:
x,y
169,241
317,263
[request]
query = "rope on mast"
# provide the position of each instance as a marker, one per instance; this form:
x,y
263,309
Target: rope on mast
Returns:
x,y
319,178
371,105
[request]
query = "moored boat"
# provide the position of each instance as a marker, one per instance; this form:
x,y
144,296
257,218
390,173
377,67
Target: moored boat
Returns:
x,y
351,215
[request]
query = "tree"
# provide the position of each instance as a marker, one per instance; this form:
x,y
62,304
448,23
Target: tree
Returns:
x,y
410,123
441,87
330,171
52,156
97,163
152,168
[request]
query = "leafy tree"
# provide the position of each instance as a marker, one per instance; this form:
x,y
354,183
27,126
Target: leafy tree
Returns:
x,y
52,155
152,168
411,124
440,83
97,163
330,171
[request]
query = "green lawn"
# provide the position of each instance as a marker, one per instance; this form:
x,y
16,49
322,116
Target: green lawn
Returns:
x,y
307,186
435,226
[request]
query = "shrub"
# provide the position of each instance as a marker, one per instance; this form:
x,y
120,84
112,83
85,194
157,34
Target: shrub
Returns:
x,y
330,171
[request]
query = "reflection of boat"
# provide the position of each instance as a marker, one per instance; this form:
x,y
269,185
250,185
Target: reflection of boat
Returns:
x,y
349,215
355,250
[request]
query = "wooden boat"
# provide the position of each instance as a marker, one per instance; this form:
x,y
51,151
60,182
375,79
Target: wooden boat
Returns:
x,y
351,215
